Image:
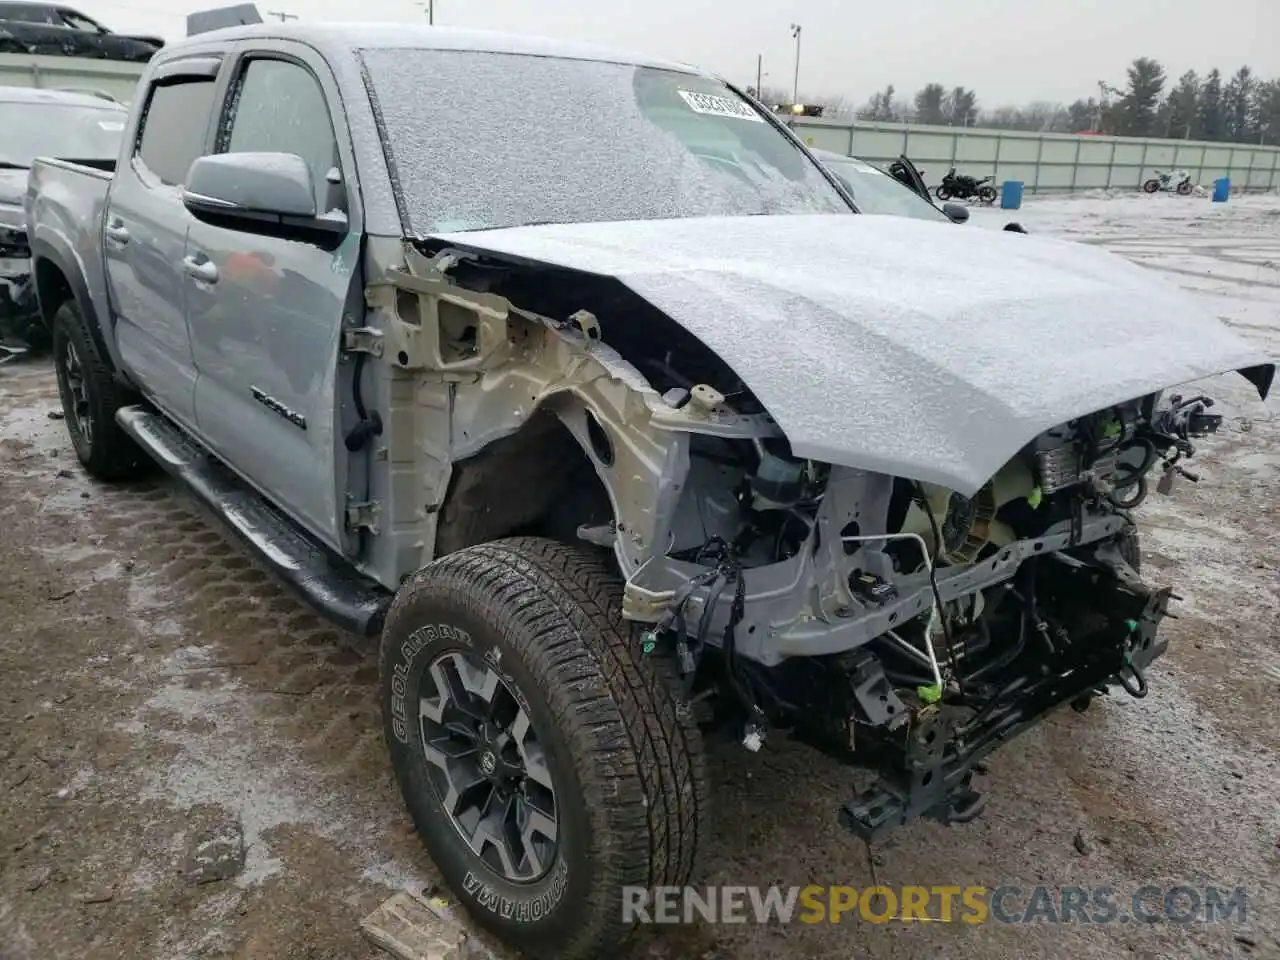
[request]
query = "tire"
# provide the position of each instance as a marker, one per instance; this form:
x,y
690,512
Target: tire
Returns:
x,y
90,398
1184,188
1150,186
621,749
943,193
987,194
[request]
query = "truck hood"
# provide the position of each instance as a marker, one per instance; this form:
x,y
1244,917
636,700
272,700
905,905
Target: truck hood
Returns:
x,y
923,350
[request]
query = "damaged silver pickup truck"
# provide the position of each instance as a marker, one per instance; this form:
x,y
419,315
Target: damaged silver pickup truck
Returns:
x,y
574,377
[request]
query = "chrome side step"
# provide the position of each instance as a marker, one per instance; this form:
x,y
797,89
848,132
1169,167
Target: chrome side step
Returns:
x,y
324,581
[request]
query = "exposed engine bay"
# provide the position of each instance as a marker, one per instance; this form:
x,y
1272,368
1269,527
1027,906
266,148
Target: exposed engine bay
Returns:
x,y
893,622
950,622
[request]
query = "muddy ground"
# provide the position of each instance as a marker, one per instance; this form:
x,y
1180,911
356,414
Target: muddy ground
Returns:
x,y
162,699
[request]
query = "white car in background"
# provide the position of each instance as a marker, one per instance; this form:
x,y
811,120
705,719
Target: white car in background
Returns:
x,y
875,192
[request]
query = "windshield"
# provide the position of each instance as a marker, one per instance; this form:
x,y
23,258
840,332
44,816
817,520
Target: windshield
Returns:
x,y
875,192
484,140
63,131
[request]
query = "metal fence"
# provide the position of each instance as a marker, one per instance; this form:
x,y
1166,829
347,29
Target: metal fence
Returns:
x,y
117,78
1045,162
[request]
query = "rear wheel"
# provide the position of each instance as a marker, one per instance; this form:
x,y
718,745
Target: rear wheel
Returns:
x,y
546,763
1184,188
987,194
1150,186
90,398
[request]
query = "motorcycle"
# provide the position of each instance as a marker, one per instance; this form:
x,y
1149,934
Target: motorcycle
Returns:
x,y
964,187
1178,181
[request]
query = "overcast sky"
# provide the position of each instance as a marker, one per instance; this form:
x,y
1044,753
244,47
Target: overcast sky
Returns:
x,y
1010,51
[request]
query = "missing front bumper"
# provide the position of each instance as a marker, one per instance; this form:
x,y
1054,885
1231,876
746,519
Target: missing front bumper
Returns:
x,y
937,753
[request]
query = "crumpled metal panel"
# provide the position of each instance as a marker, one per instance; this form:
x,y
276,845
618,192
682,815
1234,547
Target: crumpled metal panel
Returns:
x,y
922,350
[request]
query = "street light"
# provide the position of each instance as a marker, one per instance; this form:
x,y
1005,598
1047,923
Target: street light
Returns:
x,y
795,88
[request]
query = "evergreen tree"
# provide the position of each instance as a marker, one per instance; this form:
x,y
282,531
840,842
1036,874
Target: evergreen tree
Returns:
x,y
1237,107
929,104
1140,102
1181,119
1211,123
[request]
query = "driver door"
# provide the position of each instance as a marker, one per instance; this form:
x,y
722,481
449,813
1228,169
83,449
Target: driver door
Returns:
x,y
265,312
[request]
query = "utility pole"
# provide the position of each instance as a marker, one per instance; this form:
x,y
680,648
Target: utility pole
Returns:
x,y
795,87
759,75
430,7
282,15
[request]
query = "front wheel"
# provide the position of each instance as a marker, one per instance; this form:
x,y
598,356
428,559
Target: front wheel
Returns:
x,y
1150,186
546,763
987,194
943,193
1184,188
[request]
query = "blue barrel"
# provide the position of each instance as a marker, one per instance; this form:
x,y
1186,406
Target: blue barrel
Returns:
x,y
1221,189
1011,195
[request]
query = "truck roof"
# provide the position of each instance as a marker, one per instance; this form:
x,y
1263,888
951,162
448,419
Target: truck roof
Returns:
x,y
347,38
46,96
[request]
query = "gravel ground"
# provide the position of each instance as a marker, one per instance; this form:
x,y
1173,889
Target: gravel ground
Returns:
x,y
166,709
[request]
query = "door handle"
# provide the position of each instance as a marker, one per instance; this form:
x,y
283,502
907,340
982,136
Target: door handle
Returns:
x,y
117,232
206,271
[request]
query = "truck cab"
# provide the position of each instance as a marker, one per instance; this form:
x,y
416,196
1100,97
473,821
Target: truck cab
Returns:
x,y
257,315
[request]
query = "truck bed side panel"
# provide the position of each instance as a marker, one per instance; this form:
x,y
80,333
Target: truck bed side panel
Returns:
x,y
65,207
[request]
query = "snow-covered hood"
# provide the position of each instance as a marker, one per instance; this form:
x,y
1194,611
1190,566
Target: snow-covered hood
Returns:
x,y
924,350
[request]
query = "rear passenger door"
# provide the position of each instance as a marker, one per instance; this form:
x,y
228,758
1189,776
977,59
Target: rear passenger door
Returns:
x,y
145,232
266,332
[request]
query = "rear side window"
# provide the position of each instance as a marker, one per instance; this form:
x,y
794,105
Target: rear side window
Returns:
x,y
173,127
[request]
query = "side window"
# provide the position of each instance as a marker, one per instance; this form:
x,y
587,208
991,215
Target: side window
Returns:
x,y
173,128
279,107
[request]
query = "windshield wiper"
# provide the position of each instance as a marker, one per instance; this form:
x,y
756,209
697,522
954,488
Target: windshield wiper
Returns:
x,y
10,165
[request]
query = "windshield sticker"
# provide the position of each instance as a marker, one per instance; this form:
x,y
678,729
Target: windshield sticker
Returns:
x,y
715,106
114,126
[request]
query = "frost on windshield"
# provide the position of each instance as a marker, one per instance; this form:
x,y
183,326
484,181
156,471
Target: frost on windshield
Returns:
x,y
483,140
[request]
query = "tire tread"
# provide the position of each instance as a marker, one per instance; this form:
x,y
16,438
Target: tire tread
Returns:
x,y
643,755
113,456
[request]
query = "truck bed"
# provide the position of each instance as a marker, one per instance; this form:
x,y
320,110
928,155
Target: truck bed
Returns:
x,y
65,205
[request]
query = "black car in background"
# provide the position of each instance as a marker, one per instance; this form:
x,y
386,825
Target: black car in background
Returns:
x,y
52,29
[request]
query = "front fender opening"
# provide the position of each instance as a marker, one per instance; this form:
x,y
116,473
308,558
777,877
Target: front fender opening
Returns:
x,y
535,482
